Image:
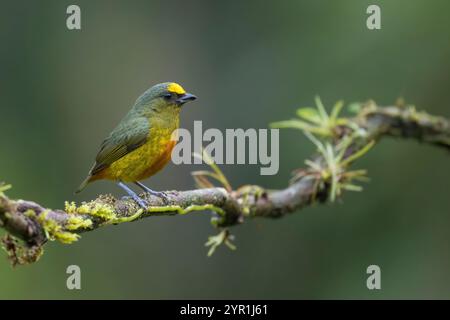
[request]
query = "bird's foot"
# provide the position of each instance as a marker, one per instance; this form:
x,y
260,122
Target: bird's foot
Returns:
x,y
141,202
132,195
159,194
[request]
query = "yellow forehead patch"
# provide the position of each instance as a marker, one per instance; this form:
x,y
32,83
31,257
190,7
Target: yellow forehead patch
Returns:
x,y
175,88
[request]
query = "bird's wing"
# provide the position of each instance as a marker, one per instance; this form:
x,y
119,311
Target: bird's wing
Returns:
x,y
125,138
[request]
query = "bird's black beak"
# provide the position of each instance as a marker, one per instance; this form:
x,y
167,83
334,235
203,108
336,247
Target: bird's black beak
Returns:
x,y
185,98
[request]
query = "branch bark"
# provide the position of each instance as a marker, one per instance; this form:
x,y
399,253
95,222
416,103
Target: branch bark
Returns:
x,y
34,224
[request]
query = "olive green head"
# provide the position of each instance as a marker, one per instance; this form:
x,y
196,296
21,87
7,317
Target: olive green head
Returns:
x,y
163,95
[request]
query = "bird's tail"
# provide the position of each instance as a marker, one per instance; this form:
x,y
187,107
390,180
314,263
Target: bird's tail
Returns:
x,y
84,184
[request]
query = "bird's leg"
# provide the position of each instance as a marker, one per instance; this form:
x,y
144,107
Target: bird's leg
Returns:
x,y
160,194
133,195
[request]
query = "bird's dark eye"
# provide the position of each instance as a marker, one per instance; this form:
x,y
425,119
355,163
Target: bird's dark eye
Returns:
x,y
168,96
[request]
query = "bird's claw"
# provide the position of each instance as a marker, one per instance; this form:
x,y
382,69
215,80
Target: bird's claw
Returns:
x,y
141,202
162,195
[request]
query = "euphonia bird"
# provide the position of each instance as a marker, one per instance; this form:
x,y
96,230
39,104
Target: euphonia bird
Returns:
x,y
142,143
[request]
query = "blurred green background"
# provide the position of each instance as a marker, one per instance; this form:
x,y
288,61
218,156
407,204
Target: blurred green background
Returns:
x,y
250,63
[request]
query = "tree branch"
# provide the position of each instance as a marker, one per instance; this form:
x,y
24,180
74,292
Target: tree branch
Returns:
x,y
341,141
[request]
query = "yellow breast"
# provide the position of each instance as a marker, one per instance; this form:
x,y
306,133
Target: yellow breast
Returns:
x,y
146,160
